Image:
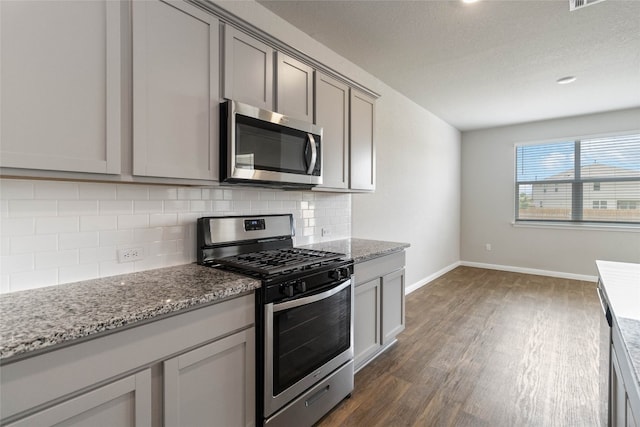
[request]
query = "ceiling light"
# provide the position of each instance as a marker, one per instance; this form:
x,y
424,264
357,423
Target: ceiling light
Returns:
x,y
566,80
470,1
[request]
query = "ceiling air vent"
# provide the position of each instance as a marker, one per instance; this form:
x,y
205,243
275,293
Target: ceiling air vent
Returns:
x,y
579,4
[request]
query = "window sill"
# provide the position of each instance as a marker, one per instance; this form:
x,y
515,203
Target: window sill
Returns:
x,y
577,226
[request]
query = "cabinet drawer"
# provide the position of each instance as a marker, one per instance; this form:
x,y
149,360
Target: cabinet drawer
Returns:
x,y
378,267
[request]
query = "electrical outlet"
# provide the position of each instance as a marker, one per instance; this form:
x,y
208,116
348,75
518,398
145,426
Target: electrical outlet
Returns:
x,y
326,232
130,254
487,246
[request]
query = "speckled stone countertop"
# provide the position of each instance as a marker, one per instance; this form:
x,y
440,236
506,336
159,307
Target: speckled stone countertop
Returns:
x,y
37,319
359,249
621,285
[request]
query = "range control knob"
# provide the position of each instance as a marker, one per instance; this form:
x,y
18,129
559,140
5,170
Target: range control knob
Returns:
x,y
287,289
345,272
335,274
301,286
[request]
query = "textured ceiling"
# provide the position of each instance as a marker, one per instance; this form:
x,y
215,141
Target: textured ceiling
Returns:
x,y
490,63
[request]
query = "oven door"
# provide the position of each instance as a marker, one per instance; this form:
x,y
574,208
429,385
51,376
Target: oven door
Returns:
x,y
305,340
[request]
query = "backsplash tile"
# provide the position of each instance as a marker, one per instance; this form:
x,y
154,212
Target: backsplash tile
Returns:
x,y
55,232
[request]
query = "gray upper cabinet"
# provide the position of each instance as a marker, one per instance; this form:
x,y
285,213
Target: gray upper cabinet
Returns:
x,y
61,85
294,83
175,90
332,113
362,156
248,69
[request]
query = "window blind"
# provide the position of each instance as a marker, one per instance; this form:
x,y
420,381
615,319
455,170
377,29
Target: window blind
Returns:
x,y
586,180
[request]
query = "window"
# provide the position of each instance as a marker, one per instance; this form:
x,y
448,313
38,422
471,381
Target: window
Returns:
x,y
599,204
594,180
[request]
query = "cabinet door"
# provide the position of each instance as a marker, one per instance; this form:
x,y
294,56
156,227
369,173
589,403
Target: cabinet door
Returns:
x,y
631,417
332,113
248,69
175,90
126,402
362,156
366,326
213,385
60,85
618,393
392,305
294,81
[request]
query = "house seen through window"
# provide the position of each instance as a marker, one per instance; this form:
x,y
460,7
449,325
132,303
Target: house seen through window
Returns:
x,y
593,180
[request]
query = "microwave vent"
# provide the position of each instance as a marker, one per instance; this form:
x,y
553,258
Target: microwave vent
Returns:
x,y
579,4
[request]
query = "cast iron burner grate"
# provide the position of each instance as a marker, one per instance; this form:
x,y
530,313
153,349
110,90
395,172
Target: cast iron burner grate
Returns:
x,y
278,260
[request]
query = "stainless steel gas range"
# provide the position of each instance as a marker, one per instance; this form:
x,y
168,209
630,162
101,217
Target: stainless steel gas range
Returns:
x,y
304,314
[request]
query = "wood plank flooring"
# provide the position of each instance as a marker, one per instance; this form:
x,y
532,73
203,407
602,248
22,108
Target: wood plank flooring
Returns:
x,y
485,348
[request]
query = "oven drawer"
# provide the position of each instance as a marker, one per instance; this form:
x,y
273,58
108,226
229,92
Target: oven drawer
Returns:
x,y
317,401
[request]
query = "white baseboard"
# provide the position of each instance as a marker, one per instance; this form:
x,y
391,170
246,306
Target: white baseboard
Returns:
x,y
559,274
420,283
535,271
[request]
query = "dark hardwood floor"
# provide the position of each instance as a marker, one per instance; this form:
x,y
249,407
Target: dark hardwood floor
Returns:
x,y
485,348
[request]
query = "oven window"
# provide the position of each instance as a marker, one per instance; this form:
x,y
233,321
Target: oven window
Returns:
x,y
306,337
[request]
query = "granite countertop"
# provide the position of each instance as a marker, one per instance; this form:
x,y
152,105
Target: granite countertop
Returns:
x,y
34,320
621,285
359,249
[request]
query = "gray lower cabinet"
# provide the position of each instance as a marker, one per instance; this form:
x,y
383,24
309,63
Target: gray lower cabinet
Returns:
x,y
126,402
196,368
367,339
212,385
379,305
624,396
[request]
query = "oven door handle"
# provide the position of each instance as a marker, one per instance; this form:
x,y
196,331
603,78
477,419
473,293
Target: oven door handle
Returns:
x,y
310,299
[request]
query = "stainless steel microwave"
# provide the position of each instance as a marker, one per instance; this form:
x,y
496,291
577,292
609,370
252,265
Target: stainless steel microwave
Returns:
x,y
266,148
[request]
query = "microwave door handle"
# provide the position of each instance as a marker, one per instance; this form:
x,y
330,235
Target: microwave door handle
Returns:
x,y
314,153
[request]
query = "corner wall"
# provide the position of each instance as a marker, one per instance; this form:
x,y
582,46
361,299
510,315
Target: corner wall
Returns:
x,y
488,178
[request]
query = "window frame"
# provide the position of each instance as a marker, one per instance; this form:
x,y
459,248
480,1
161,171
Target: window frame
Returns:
x,y
577,181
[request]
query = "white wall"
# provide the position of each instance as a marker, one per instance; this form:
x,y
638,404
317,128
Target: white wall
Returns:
x,y
488,202
417,197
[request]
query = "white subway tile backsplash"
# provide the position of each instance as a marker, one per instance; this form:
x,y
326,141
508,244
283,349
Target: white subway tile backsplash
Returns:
x,y
189,194
132,221
176,206
97,191
115,207
147,234
65,231
11,189
45,260
10,264
132,192
56,190
116,237
97,255
147,206
33,208
78,208
17,226
60,224
98,223
163,193
33,244
163,220
87,239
